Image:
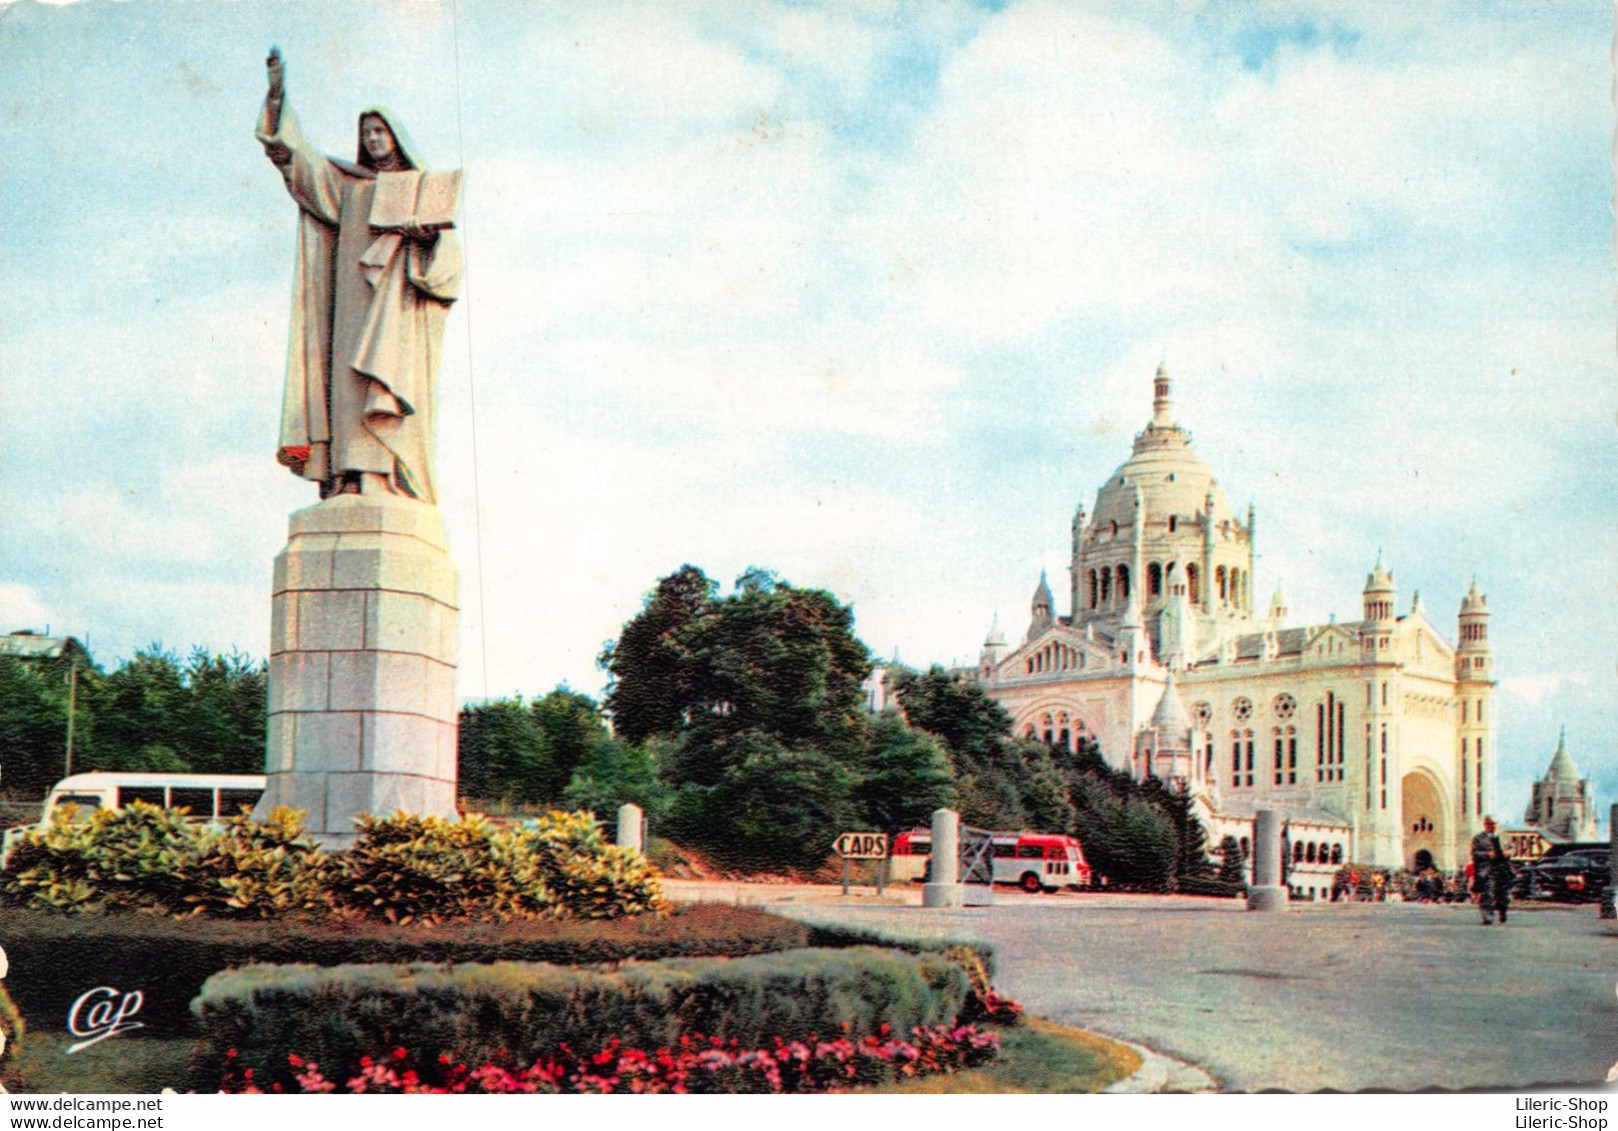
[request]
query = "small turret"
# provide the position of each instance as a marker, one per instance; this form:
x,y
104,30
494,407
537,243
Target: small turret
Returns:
x,y
1043,608
1278,608
1472,658
1379,593
994,646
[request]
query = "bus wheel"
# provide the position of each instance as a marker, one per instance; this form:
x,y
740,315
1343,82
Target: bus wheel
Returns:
x,y
1030,883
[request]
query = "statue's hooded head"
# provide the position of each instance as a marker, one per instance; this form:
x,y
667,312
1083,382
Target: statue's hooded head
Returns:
x,y
401,140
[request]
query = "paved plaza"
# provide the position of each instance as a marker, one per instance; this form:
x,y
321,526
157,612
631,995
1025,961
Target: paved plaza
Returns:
x,y
1346,997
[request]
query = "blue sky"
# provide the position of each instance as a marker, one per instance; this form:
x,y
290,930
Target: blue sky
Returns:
x,y
868,293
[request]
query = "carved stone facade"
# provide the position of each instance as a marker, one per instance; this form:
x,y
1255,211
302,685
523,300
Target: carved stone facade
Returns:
x,y
1376,734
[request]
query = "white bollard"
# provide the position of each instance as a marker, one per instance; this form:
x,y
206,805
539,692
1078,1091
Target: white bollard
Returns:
x,y
942,888
629,823
1267,892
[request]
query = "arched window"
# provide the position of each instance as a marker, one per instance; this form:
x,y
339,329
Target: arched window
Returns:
x,y
1297,852
1173,522
1123,583
1336,854
1154,580
1115,528
1106,585
1310,855
1094,590
1193,581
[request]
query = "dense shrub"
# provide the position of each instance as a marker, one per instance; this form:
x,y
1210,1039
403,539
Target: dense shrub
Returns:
x,y
145,858
404,868
482,1013
696,1064
168,961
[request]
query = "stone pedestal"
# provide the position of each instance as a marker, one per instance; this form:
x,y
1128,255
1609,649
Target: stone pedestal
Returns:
x,y
1267,892
362,714
943,862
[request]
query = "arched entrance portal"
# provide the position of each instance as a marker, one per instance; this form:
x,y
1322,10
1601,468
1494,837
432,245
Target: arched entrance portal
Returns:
x,y
1426,823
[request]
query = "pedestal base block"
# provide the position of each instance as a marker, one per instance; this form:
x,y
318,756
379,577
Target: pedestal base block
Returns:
x,y
362,712
1267,898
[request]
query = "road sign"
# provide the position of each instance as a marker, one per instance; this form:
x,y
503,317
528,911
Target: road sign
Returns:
x,y
1525,844
862,846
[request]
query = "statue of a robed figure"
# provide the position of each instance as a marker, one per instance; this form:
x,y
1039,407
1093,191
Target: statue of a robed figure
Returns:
x,y
362,712
378,266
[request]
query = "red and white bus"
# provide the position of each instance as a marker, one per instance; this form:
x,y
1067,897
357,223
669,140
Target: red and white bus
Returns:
x,y
1032,861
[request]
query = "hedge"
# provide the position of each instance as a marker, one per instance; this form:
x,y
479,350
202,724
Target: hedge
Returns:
x,y
55,957
254,1017
840,935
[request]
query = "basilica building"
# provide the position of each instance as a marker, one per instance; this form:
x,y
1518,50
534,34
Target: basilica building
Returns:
x,y
1374,737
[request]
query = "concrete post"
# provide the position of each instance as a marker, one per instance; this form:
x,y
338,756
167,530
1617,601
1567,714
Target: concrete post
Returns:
x,y
629,819
1267,892
1608,910
942,889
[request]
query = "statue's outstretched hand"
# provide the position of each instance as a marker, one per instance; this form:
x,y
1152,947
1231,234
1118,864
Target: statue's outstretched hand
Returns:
x,y
277,72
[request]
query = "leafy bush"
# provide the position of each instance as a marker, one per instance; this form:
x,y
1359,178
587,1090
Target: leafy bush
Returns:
x,y
404,869
696,1064
407,869
482,1013
590,878
57,957
145,858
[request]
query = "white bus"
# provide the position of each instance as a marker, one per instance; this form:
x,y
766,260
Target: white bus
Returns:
x,y
209,797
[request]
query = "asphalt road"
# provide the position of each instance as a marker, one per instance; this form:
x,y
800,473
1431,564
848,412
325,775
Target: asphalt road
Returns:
x,y
1368,996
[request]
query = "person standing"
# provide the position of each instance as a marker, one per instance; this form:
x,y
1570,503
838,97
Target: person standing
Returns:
x,y
1491,873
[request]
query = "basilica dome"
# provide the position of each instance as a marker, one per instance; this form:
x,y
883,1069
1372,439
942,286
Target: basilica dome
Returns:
x,y
1171,479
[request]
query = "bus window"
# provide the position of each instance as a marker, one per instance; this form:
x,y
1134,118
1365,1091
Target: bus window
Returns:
x,y
151,794
1004,850
199,801
232,800
83,804
1030,852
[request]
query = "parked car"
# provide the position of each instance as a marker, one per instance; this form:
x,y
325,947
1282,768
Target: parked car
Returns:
x,y
1574,877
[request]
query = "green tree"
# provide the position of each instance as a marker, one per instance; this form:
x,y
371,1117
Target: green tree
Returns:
x,y
1149,846
775,808
218,722
613,773
1232,862
33,727
499,749
904,775
649,665
569,726
134,707
970,723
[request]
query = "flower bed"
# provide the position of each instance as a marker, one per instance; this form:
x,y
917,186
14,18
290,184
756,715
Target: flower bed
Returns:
x,y
694,1064
482,1013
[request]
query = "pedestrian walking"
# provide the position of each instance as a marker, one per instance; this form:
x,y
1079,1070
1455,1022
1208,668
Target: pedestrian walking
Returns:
x,y
1491,873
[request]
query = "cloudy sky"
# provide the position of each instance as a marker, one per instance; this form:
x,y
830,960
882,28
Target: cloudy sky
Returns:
x,y
869,294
